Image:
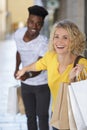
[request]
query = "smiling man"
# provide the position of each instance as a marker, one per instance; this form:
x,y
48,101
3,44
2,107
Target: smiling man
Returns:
x,y
31,46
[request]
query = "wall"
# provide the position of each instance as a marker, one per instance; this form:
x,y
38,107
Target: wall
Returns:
x,y
17,13
2,18
18,9
73,10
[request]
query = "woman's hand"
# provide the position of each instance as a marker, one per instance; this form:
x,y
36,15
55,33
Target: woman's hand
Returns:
x,y
20,73
75,71
28,68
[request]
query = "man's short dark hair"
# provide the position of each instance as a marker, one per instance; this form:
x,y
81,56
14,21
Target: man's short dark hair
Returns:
x,y
38,10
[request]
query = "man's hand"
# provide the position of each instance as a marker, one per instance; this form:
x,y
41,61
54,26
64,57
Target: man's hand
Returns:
x,y
15,73
24,77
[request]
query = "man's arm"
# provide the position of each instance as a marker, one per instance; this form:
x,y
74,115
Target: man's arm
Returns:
x,y
18,61
30,74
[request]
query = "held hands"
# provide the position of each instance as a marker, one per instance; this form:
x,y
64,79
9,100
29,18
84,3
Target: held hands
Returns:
x,y
25,76
20,73
75,71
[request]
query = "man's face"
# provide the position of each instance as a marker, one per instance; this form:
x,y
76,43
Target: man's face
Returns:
x,y
34,24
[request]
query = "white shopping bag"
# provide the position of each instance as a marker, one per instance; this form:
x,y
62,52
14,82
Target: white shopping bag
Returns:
x,y
78,97
72,123
12,106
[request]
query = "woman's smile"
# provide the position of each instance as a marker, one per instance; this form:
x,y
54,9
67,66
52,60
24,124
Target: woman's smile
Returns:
x,y
61,40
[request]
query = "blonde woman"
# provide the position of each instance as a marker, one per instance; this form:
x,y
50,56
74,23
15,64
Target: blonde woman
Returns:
x,y
65,44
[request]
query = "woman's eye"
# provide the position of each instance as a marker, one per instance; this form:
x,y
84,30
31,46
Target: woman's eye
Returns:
x,y
65,38
62,38
56,37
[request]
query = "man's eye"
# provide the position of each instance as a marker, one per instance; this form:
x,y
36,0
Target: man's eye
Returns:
x,y
39,24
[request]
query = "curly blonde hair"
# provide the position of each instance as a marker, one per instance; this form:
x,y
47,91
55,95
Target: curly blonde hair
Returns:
x,y
77,38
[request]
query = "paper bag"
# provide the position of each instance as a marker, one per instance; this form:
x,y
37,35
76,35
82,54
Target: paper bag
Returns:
x,y
20,101
59,118
12,105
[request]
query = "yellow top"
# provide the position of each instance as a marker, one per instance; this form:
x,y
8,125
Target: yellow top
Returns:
x,y
50,63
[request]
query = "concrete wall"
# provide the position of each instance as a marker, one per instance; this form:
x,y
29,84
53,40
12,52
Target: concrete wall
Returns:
x,y
73,10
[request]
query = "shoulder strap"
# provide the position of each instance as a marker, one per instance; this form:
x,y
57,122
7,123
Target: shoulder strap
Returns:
x,y
77,60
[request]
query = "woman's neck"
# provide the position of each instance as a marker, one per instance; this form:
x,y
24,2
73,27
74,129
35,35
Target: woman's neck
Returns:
x,y
65,60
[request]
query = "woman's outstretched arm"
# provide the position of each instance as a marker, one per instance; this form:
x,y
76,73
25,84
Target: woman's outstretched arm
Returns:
x,y
25,69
